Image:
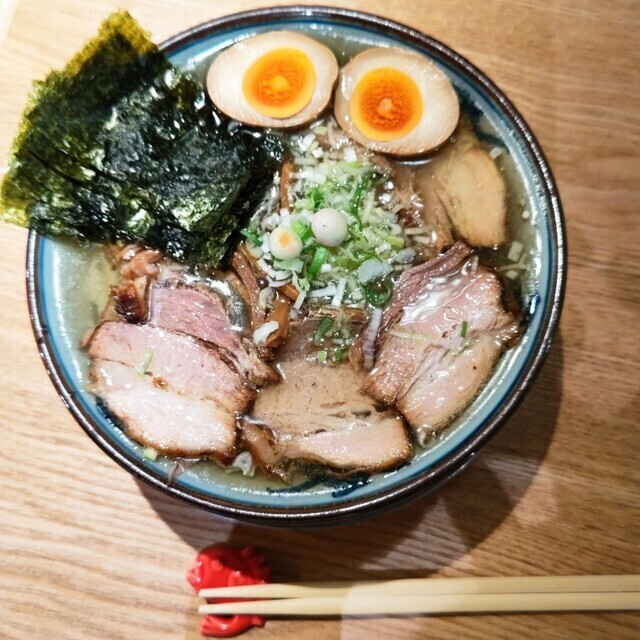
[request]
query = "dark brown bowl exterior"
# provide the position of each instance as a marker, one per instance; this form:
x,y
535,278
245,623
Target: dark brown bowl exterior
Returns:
x,y
450,466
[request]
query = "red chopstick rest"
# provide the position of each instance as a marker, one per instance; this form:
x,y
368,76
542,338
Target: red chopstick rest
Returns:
x,y
222,566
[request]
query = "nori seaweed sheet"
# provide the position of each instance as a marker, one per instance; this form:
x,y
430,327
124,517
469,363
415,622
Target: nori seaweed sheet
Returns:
x,y
121,145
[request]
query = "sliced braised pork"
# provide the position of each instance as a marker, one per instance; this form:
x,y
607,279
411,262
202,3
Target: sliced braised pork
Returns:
x,y
439,339
178,362
317,415
160,417
200,313
170,392
464,184
169,363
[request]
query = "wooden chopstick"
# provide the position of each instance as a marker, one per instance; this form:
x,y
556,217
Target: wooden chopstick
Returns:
x,y
435,586
432,596
432,604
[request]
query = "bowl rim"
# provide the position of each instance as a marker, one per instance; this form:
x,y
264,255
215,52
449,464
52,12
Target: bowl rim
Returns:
x,y
450,465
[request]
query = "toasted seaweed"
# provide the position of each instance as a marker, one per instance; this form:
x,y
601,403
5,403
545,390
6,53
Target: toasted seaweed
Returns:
x,y
121,145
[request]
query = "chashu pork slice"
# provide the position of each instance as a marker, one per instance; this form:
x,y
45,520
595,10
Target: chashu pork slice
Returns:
x,y
175,361
439,340
318,415
200,313
158,416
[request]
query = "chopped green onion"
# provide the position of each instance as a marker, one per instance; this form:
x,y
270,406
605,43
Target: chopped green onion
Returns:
x,y
323,326
395,241
463,329
316,197
293,264
361,256
336,356
142,367
251,236
319,259
378,292
150,453
322,356
363,185
303,230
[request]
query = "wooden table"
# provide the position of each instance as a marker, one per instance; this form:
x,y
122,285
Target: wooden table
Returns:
x,y
89,552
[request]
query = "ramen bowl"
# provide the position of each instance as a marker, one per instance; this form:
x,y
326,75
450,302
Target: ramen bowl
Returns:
x,y
68,285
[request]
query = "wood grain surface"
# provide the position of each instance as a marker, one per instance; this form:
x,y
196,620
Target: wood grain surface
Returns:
x,y
88,552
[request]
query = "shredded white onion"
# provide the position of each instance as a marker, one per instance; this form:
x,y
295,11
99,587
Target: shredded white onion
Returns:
x,y
261,334
272,273
278,283
372,269
323,293
415,231
150,453
424,437
316,177
299,300
244,462
307,141
304,162
406,335
337,298
515,251
265,297
423,240
350,154
280,275
404,256
256,252
369,339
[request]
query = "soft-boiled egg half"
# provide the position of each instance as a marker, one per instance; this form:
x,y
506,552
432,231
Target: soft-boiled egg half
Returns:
x,y
277,79
396,101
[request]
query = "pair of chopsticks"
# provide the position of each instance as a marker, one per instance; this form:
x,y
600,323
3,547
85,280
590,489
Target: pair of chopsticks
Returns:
x,y
431,596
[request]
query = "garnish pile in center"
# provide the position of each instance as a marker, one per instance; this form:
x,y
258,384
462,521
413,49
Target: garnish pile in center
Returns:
x,y
334,233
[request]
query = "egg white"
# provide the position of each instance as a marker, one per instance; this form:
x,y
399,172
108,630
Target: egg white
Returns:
x,y
441,109
227,71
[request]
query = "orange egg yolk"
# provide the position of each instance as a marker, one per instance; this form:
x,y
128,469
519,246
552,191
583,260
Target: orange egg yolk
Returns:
x,y
386,104
280,83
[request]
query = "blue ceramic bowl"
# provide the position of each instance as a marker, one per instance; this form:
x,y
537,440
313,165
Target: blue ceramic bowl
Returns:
x,y
67,285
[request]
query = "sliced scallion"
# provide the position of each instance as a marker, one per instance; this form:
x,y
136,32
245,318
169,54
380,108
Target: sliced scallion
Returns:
x,y
378,292
322,356
302,230
323,326
150,453
143,365
316,197
319,259
363,185
463,329
251,236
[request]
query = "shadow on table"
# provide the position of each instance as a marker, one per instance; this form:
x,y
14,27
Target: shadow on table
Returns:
x,y
420,538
